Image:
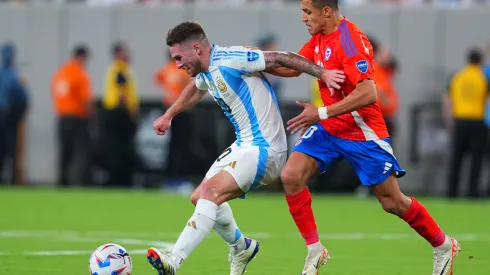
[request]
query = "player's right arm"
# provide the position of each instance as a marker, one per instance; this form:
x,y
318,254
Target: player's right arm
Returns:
x,y
193,93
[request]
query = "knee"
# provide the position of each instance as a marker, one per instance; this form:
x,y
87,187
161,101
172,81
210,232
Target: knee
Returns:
x,y
210,192
195,196
293,181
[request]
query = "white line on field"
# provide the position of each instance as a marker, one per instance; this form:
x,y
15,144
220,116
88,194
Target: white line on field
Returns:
x,y
94,236
166,246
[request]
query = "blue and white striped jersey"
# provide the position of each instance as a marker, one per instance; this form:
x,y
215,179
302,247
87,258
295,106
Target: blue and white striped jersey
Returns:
x,y
246,98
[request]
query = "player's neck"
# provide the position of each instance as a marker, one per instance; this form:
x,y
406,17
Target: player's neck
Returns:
x,y
333,24
206,58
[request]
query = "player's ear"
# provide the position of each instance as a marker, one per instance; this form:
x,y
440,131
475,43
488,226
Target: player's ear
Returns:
x,y
197,48
327,11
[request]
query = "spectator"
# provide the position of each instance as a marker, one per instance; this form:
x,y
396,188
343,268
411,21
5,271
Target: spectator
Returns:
x,y
466,100
387,95
119,120
172,81
269,43
316,98
73,104
13,94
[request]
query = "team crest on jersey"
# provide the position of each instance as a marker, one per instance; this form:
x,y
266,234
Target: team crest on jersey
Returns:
x,y
252,56
362,66
221,85
328,53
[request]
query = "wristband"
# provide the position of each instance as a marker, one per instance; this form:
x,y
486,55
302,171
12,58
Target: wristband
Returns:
x,y
322,113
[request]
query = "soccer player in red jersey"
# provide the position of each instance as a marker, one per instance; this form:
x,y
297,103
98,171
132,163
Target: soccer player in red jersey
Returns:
x,y
350,126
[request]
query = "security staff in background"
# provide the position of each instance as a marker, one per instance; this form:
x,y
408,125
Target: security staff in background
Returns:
x,y
468,91
119,119
73,103
172,81
13,106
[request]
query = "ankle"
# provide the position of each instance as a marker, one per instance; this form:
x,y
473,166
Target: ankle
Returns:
x,y
314,246
446,245
176,260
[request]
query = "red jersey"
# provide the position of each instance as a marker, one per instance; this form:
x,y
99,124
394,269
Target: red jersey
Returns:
x,y
349,50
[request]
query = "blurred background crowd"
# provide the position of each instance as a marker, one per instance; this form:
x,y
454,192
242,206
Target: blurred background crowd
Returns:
x,y
101,133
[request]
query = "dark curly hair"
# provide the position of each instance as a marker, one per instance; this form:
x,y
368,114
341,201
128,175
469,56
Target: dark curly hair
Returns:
x,y
184,32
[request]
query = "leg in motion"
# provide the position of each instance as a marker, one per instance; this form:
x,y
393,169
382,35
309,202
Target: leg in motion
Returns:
x,y
416,215
295,175
214,192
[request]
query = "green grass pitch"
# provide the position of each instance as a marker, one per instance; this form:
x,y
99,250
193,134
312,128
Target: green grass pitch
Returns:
x,y
51,231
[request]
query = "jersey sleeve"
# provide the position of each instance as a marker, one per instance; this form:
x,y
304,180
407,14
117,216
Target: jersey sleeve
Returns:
x,y
308,50
201,83
243,59
355,54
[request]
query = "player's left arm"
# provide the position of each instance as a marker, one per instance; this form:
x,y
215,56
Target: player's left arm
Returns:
x,y
364,94
356,58
257,60
357,61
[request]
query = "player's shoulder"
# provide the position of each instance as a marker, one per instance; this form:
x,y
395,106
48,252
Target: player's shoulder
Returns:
x,y
220,51
352,40
227,55
351,33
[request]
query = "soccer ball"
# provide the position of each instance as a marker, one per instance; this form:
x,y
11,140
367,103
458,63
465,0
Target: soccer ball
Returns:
x,y
110,259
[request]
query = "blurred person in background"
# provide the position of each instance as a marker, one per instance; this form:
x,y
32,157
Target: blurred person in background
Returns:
x,y
387,95
13,106
486,71
172,81
119,121
269,43
466,100
73,102
316,98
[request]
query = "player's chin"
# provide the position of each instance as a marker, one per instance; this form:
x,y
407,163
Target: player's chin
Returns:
x,y
191,73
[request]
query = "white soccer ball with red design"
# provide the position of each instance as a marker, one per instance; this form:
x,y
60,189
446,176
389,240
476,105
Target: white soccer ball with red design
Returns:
x,y
110,259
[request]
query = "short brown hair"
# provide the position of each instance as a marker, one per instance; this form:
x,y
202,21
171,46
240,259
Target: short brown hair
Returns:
x,y
334,4
184,32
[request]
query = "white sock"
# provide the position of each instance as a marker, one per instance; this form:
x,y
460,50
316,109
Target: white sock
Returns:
x,y
227,228
198,226
314,246
445,246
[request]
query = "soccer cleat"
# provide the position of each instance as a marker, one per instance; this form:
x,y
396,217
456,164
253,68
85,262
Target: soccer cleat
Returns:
x,y
161,262
315,259
239,260
444,257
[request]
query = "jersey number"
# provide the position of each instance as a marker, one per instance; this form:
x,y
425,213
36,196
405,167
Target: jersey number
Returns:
x,y
223,105
224,154
309,132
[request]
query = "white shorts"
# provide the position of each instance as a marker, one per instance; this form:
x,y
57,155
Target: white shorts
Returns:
x,y
251,167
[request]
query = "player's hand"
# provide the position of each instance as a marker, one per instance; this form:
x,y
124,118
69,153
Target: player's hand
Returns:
x,y
333,77
161,125
304,120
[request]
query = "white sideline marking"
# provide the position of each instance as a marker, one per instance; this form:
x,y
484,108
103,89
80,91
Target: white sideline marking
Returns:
x,y
107,236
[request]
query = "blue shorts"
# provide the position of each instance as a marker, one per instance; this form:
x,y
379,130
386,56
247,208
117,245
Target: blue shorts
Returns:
x,y
373,160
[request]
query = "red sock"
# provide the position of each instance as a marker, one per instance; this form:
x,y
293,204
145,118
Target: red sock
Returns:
x,y
300,209
419,219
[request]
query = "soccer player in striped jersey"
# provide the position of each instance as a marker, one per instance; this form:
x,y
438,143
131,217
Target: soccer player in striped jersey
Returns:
x,y
232,76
